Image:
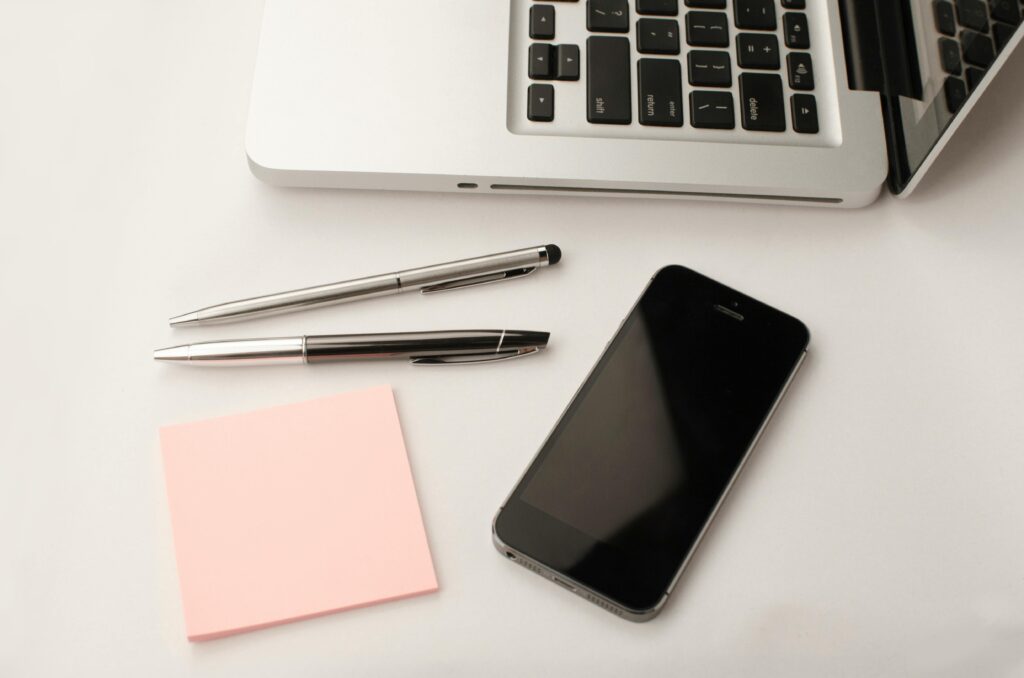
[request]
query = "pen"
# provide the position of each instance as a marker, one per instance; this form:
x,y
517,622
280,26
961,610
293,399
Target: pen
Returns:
x,y
450,276
421,348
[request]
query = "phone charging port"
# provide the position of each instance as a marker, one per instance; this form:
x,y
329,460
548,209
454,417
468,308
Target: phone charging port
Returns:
x,y
563,584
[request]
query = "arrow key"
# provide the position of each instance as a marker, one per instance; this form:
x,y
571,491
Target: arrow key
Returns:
x,y
541,57
567,58
540,103
542,22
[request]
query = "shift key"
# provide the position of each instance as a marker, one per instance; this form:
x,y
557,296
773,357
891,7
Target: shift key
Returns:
x,y
608,90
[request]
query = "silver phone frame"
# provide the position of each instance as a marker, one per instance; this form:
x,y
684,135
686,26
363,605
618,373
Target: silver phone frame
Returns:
x,y
566,582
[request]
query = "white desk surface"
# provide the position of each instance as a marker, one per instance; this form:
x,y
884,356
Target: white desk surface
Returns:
x,y
878,531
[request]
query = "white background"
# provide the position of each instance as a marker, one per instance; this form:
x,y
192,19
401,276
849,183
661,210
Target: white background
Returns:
x,y
876,532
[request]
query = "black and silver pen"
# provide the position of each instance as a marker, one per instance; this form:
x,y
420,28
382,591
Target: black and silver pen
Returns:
x,y
421,348
450,276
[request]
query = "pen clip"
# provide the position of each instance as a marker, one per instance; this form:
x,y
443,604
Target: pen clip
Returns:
x,y
478,280
473,358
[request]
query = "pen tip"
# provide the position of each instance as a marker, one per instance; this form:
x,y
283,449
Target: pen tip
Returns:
x,y
525,339
554,254
172,353
185,319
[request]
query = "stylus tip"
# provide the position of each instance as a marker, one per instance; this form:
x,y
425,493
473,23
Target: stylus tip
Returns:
x,y
554,254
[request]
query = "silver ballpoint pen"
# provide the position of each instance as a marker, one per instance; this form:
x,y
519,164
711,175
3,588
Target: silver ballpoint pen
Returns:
x,y
421,348
450,276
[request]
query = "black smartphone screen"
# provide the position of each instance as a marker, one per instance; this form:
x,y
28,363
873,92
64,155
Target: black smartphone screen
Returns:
x,y
623,487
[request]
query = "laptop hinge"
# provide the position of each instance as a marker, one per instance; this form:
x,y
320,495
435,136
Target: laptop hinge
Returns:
x,y
881,52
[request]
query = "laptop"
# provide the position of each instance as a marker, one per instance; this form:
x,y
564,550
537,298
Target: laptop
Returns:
x,y
820,102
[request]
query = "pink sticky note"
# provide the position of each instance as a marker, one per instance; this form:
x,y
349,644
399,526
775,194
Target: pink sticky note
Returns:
x,y
292,512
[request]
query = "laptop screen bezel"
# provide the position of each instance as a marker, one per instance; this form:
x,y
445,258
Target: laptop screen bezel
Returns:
x,y
903,178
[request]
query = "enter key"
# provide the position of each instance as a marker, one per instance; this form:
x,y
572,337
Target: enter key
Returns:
x,y
661,92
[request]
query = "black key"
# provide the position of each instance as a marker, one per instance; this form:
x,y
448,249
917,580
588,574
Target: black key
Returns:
x,y
657,36
801,70
972,14
949,54
757,50
540,103
608,98
761,101
805,113
542,65
793,4
758,15
659,82
794,27
709,69
974,77
658,7
542,22
712,110
978,49
945,20
1007,11
1002,33
608,16
706,4
707,29
956,93
567,60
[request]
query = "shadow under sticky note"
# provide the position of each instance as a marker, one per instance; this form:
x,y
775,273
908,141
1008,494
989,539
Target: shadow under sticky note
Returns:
x,y
293,512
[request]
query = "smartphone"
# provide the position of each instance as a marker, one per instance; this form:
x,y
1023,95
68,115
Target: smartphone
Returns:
x,y
624,487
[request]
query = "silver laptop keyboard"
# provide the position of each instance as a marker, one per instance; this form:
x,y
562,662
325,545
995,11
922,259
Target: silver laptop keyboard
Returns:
x,y
706,64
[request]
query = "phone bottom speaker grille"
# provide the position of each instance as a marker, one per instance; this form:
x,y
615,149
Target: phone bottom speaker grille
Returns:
x,y
600,603
531,567
578,591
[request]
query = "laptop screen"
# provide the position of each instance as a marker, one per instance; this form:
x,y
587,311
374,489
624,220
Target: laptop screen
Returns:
x,y
955,44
